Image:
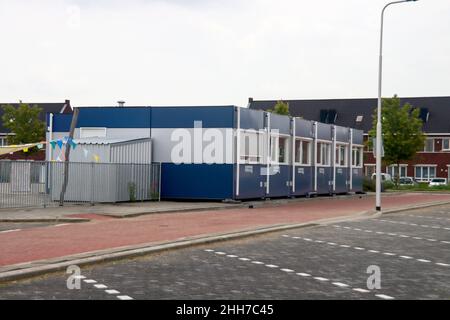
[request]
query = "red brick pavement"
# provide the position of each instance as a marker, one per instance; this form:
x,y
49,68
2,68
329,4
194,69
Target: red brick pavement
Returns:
x,y
52,242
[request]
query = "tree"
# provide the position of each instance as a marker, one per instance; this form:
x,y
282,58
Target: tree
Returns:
x,y
402,132
24,122
281,107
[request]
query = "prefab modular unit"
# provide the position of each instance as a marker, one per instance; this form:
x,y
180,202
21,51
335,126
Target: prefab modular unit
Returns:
x,y
226,152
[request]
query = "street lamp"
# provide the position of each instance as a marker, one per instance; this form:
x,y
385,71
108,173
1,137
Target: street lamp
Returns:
x,y
379,132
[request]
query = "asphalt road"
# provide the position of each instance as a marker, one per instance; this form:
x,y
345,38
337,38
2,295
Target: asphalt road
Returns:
x,y
411,250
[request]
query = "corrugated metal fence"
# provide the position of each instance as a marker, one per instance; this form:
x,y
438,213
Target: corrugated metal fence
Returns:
x,y
39,184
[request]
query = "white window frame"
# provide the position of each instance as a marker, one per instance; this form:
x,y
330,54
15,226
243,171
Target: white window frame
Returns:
x,y
259,156
424,147
389,170
320,159
309,151
448,140
85,129
361,156
338,155
275,151
421,166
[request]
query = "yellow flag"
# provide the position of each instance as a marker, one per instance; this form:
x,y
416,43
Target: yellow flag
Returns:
x,y
25,150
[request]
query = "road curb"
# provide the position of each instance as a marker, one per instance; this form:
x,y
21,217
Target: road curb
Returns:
x,y
52,220
36,268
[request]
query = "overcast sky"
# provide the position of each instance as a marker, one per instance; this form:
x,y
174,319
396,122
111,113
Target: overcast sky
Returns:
x,y
208,52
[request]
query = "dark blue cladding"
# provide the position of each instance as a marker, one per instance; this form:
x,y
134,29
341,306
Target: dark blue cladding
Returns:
x,y
304,128
342,134
184,117
61,122
197,181
342,176
323,131
115,117
358,137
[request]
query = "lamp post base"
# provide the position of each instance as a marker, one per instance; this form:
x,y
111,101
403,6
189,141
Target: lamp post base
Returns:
x,y
378,208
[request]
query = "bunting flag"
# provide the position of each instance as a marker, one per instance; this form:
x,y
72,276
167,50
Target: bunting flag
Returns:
x,y
25,150
53,144
97,158
60,143
40,146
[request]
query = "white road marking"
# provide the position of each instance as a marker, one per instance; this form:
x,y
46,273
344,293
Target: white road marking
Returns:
x,y
361,290
443,264
332,243
100,286
79,277
394,254
257,262
344,246
411,224
221,253
90,281
321,279
112,292
398,235
61,225
231,256
302,274
209,250
383,296
124,298
339,284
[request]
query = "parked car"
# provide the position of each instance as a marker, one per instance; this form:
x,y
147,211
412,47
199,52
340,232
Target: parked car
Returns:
x,y
406,181
384,177
437,182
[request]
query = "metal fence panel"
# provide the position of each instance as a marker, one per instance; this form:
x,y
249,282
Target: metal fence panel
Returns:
x,y
39,184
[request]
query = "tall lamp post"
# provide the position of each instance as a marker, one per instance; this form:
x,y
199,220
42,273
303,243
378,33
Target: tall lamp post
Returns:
x,y
379,132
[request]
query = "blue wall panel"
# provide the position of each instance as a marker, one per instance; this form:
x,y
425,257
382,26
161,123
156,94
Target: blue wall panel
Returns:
x,y
251,181
192,181
358,178
114,117
342,134
358,137
304,128
303,180
323,131
279,178
342,176
61,121
252,119
184,117
324,176
280,123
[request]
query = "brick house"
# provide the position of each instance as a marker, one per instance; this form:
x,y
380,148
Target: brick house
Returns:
x,y
433,161
62,107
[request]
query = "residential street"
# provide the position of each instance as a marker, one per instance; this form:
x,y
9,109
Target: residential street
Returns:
x,y
410,248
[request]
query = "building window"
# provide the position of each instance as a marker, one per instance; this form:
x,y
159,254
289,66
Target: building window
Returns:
x,y
425,173
279,147
357,157
251,147
302,152
341,156
3,141
370,170
393,171
323,154
446,144
429,145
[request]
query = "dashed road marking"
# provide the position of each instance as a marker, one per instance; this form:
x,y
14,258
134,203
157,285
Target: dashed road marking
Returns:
x,y
393,234
105,287
257,262
90,281
428,217
441,264
100,286
301,274
410,224
124,298
232,256
112,292
383,296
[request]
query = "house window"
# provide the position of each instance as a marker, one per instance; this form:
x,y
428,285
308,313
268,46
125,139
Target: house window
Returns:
x,y
425,173
3,142
393,171
357,157
251,147
370,170
279,147
341,155
429,145
446,144
323,154
302,152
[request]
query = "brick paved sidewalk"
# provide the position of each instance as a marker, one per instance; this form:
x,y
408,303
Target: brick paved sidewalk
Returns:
x,y
58,241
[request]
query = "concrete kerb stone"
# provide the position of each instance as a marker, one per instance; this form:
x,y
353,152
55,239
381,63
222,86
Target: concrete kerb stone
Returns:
x,y
49,220
36,268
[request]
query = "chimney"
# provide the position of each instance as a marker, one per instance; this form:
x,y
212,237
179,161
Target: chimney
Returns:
x,y
67,108
250,101
121,103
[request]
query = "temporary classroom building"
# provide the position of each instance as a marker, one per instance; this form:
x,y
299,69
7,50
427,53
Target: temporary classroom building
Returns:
x,y
227,152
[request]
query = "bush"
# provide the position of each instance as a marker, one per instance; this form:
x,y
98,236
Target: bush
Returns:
x,y
369,185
